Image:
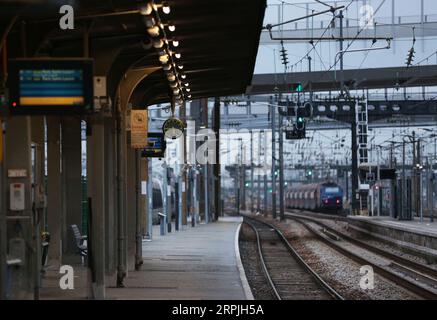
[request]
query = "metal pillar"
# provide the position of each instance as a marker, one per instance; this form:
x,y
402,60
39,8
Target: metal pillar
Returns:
x,y
354,176
20,223
281,169
258,204
205,176
72,183
252,182
138,212
273,124
54,186
217,180
3,237
149,200
266,187
96,193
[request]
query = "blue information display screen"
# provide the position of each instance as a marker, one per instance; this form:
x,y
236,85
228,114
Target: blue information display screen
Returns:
x,y
156,146
50,86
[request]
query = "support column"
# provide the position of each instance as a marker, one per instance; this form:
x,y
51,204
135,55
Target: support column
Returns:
x,y
20,223
72,181
38,195
149,200
3,238
96,193
110,200
131,205
54,187
217,177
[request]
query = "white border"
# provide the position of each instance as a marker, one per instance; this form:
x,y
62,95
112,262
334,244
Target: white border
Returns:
x,y
243,278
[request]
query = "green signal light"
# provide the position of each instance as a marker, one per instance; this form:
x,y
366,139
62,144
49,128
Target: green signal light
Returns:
x,y
310,173
300,119
299,88
247,184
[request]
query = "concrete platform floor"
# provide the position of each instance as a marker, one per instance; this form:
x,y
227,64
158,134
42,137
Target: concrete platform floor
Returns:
x,y
415,226
195,264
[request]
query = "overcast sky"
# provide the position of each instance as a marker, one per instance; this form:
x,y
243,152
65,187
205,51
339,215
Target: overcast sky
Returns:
x,y
408,10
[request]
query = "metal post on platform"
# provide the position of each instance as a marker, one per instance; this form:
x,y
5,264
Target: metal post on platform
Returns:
x,y
149,200
205,176
404,185
273,162
281,169
259,173
266,187
252,188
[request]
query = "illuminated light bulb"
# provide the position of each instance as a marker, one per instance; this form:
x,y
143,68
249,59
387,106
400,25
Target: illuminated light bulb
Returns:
x,y
181,67
171,77
158,44
146,9
187,84
163,59
153,31
189,96
188,89
166,8
172,27
177,55
175,43
183,76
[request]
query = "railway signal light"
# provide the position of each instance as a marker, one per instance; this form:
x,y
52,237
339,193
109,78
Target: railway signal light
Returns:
x,y
297,87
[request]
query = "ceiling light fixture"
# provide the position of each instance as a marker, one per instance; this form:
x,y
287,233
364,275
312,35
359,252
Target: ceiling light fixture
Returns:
x,y
175,43
146,9
153,31
158,43
177,55
163,59
171,77
181,67
165,8
171,27
183,76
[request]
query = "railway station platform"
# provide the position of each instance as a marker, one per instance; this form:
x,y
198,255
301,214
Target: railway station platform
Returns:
x,y
411,236
198,263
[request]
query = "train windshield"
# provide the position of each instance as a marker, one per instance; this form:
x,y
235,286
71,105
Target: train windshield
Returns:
x,y
332,190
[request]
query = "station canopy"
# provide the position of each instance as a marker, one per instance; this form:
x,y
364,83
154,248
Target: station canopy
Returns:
x,y
218,40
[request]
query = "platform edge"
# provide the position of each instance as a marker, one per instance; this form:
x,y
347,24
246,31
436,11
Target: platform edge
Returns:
x,y
243,278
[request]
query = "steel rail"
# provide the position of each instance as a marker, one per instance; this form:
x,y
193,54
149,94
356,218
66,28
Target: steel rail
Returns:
x,y
324,285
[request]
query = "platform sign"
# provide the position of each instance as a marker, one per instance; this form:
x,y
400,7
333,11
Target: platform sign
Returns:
x,y
50,86
156,146
139,127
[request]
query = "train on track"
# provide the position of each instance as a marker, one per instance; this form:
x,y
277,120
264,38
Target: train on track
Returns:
x,y
326,196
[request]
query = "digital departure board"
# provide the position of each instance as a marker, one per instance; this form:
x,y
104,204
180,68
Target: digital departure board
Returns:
x,y
50,86
155,147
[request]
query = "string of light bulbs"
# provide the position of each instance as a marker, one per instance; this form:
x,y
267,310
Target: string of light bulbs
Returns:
x,y
166,47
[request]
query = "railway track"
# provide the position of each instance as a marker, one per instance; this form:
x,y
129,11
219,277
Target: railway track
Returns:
x,y
286,272
413,276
